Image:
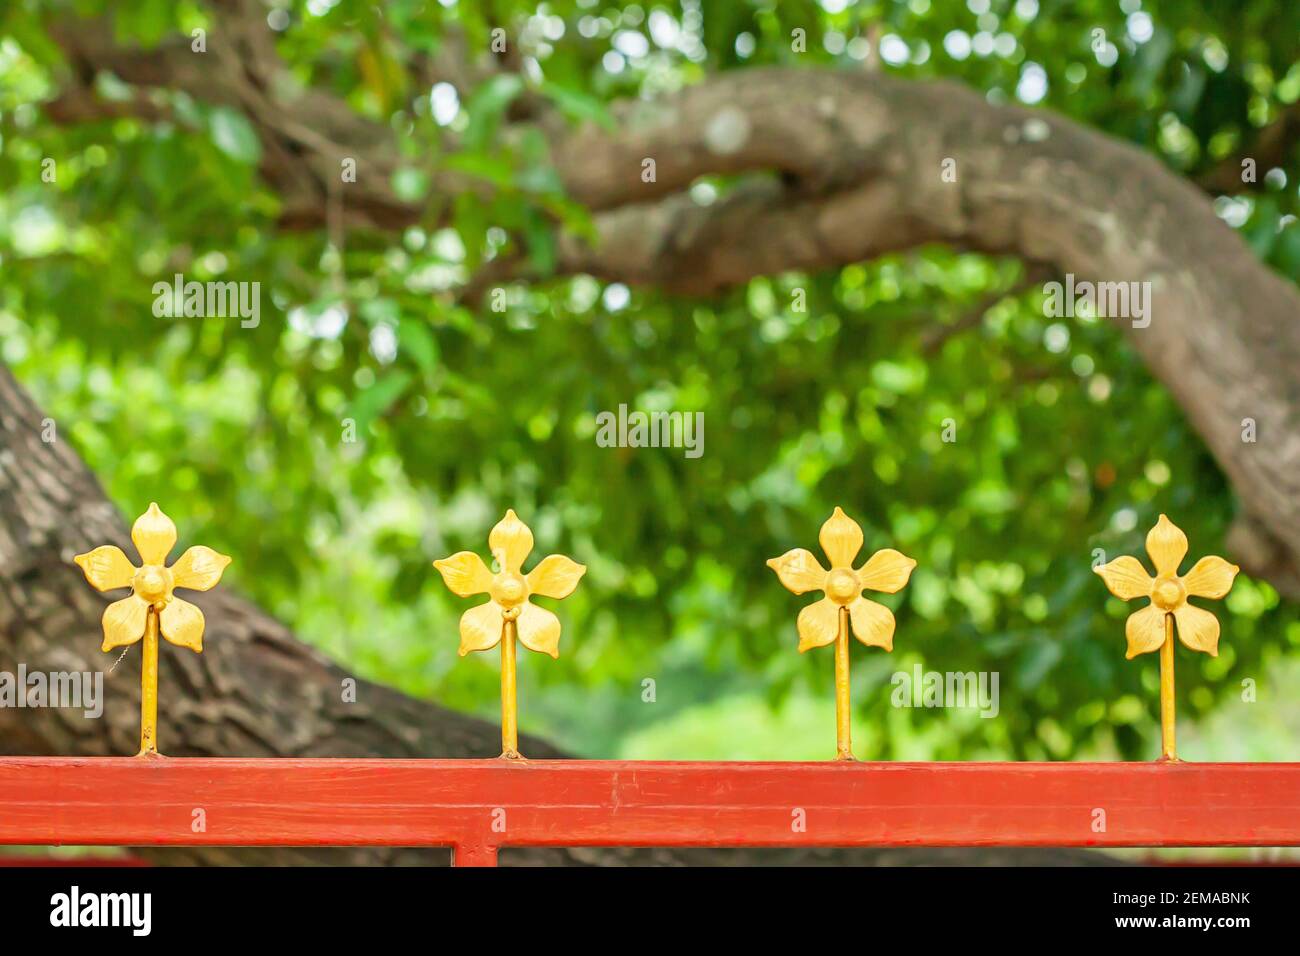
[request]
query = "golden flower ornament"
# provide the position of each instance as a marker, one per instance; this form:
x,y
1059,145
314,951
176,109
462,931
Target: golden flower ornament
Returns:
x,y
153,584
555,576
886,571
843,607
152,606
1153,626
1210,577
509,614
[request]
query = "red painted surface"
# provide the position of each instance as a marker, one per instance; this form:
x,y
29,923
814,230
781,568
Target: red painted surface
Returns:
x,y
129,801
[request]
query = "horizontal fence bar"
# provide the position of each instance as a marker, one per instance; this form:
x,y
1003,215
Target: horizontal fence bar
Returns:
x,y
477,806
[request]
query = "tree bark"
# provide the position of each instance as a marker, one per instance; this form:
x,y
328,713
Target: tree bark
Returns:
x,y
255,691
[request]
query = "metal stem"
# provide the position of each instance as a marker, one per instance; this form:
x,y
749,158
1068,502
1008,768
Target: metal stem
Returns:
x,y
1167,719
149,687
509,693
843,707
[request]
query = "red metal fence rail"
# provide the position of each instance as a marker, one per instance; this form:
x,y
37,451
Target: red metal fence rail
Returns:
x,y
479,806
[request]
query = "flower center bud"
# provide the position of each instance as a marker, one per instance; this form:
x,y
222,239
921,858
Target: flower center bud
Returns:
x,y
1168,594
842,586
510,590
151,583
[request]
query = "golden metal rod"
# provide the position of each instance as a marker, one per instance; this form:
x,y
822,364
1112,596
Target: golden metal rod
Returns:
x,y
509,693
149,687
843,705
1167,719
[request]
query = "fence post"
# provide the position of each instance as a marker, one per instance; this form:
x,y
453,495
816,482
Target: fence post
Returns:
x,y
473,854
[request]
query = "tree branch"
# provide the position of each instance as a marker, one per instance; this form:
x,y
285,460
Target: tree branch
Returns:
x,y
858,161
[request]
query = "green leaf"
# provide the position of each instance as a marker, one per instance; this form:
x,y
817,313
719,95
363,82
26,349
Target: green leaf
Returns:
x,y
376,399
1041,656
578,105
410,184
234,135
471,222
541,242
491,169
1261,231
486,106
416,340
1286,252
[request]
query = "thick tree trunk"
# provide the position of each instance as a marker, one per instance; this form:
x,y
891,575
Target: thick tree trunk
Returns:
x,y
255,691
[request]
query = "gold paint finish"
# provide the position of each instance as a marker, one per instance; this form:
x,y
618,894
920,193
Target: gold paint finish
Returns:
x,y
508,615
152,607
509,692
1153,627
1168,719
843,607
843,701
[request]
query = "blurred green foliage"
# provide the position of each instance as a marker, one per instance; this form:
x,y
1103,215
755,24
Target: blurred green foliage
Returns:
x,y
1064,442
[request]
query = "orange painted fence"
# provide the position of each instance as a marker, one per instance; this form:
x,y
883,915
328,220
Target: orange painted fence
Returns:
x,y
478,806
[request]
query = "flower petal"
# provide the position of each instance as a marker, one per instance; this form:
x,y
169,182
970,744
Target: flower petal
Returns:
x,y
538,629
841,539
464,573
799,570
154,535
1145,631
1126,578
1167,546
555,576
886,571
106,568
480,628
199,568
873,624
124,622
819,624
182,624
1198,629
511,542
1210,577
